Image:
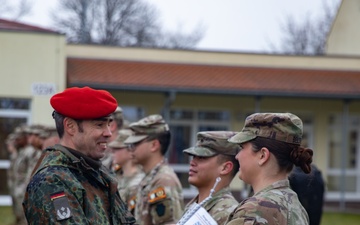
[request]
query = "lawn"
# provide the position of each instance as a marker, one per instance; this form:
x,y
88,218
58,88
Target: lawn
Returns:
x,y
329,218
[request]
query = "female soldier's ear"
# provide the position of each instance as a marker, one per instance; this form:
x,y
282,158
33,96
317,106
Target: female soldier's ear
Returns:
x,y
264,155
226,168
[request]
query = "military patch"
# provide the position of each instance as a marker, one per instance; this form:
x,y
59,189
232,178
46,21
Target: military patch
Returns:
x,y
160,209
132,203
156,195
61,205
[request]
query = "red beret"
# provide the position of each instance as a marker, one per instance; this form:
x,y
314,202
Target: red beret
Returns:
x,y
84,103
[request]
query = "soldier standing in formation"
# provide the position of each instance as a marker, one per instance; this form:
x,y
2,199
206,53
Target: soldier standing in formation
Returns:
x,y
115,126
69,184
127,172
270,145
24,164
16,142
212,157
159,199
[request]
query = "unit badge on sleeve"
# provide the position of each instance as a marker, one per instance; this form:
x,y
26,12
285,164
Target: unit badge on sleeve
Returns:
x,y
61,205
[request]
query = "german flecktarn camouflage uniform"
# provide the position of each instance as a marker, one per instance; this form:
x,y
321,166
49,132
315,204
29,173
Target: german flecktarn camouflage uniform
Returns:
x,y
70,188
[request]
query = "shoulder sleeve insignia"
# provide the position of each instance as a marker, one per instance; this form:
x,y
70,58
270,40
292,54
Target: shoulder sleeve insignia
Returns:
x,y
132,202
61,205
156,195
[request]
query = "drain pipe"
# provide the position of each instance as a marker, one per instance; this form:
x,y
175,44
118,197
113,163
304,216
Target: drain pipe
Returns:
x,y
165,111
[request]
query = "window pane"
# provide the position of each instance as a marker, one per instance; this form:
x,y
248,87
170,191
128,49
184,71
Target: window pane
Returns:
x,y
133,114
211,128
181,114
13,103
4,187
334,183
214,116
336,150
180,141
7,126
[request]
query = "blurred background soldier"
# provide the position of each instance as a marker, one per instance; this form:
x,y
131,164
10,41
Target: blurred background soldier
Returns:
x,y
24,164
212,157
15,143
128,174
50,137
115,126
310,189
159,199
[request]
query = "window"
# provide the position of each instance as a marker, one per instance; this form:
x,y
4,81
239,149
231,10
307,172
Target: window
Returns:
x,y
13,112
132,113
340,157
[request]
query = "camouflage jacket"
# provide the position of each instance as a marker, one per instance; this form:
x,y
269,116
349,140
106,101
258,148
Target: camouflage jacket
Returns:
x,y
69,189
219,206
128,186
159,198
277,204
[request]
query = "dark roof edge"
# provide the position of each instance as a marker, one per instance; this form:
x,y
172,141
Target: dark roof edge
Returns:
x,y
355,96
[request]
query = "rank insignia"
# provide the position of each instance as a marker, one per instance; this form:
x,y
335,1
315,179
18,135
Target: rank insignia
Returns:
x,y
156,195
61,205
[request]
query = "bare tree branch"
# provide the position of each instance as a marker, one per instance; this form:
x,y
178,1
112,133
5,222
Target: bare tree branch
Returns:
x,y
15,11
118,22
307,37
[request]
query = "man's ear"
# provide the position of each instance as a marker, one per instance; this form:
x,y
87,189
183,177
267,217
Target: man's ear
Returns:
x,y
69,126
263,156
155,145
226,168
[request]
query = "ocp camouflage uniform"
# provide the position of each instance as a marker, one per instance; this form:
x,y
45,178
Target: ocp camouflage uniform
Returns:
x,y
128,186
159,199
221,204
277,204
22,169
71,188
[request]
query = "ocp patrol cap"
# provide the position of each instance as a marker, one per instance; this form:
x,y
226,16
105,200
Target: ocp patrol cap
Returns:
x,y
211,143
150,125
285,127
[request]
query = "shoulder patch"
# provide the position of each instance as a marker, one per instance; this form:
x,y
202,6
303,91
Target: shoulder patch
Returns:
x,y
61,205
132,203
156,195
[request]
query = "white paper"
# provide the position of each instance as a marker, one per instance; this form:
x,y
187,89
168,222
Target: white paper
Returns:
x,y
201,217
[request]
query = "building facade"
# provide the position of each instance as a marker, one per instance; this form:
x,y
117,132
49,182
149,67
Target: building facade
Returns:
x,y
196,91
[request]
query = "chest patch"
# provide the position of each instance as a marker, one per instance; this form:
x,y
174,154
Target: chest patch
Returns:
x,y
61,205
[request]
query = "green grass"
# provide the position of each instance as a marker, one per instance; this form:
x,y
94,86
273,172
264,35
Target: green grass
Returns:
x,y
329,218
6,216
333,218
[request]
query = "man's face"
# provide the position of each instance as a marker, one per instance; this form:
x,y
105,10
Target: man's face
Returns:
x,y
92,136
140,151
203,171
121,156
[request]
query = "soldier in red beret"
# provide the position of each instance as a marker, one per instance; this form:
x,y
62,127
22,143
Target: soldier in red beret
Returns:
x,y
69,184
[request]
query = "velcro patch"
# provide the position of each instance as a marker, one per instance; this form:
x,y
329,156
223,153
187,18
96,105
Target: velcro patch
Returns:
x,y
132,203
156,195
61,205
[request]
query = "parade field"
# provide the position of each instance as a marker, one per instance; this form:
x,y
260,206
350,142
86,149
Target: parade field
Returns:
x,y
329,218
